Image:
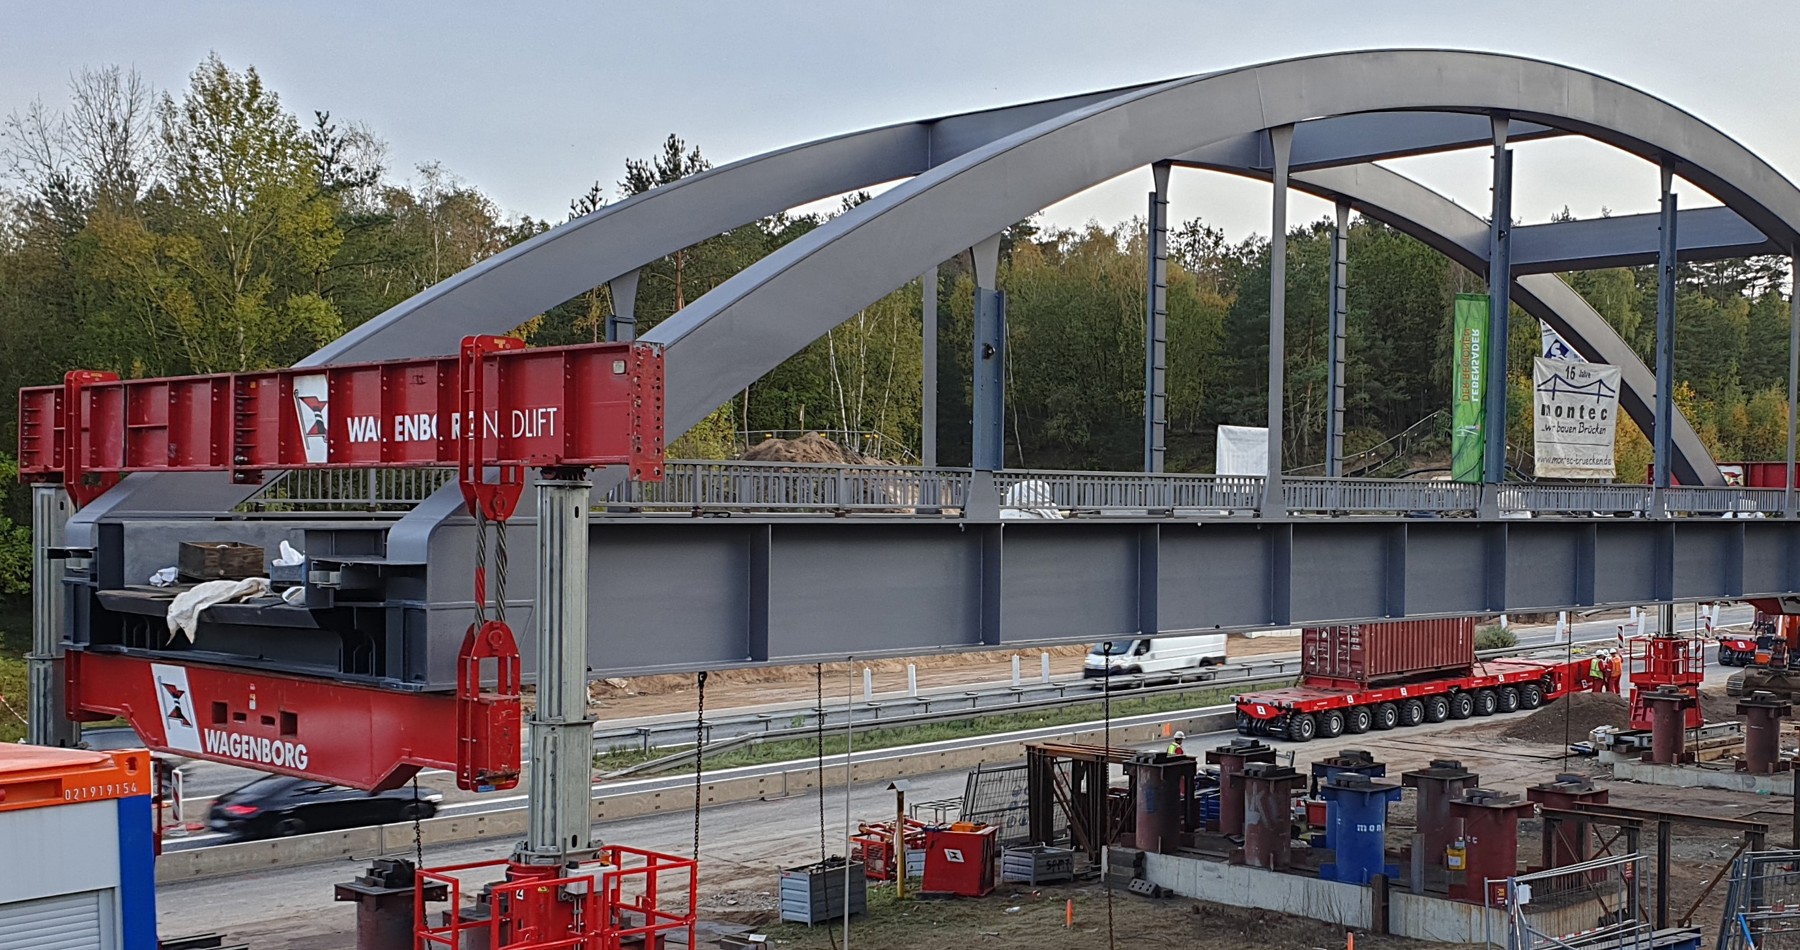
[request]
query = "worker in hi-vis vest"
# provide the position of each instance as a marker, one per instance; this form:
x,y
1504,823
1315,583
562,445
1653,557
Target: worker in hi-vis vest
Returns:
x,y
1175,746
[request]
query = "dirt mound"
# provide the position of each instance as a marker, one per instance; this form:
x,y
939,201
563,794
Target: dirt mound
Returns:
x,y
835,673
811,447
1573,716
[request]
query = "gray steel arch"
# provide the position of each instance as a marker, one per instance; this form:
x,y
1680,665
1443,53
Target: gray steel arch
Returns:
x,y
1392,106
730,336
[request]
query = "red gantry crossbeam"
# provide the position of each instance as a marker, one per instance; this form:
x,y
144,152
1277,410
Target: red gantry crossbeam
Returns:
x,y
551,407
495,405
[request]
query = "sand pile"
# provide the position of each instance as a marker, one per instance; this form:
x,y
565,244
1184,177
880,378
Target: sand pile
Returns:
x,y
1574,715
811,447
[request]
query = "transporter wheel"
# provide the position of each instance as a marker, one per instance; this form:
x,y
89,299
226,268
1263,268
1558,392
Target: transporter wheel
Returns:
x,y
1462,706
1509,699
1531,696
1387,716
1437,708
1412,712
1331,724
1358,720
1302,727
1486,702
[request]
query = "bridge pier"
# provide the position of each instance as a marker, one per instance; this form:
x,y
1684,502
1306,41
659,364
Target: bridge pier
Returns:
x,y
1339,302
621,326
1156,322
47,713
1666,263
1281,140
988,445
1499,318
928,359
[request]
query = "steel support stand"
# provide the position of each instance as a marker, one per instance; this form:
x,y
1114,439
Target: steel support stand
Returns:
x,y
47,707
1281,141
928,397
1662,873
1787,496
1500,306
1156,323
988,446
1664,436
621,326
1337,335
562,735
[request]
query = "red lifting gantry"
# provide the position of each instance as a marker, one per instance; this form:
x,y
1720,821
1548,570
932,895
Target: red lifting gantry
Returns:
x,y
494,405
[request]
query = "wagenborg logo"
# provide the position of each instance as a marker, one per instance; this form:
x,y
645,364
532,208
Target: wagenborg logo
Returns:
x,y
176,701
181,734
312,402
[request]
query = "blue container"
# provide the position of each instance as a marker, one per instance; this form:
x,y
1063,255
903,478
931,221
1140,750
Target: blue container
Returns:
x,y
1356,827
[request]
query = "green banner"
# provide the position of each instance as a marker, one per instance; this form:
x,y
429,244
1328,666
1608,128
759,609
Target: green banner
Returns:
x,y
1468,405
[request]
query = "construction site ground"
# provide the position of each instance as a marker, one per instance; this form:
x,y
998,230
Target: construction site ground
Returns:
x,y
743,847
659,695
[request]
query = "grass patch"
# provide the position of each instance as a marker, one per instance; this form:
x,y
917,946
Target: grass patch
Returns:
x,y
12,689
792,749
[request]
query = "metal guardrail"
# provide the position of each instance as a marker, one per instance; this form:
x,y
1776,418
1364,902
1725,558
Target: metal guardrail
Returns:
x,y
354,489
803,488
796,487
887,710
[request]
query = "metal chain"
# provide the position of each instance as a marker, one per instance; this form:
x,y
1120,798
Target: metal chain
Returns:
x,y
500,571
699,759
418,826
480,568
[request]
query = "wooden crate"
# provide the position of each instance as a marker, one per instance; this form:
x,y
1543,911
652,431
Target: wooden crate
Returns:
x,y
220,560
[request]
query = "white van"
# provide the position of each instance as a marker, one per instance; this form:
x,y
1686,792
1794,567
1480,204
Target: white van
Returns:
x,y
1155,655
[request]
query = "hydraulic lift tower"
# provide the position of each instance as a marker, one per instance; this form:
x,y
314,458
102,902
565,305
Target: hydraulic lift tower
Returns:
x,y
489,412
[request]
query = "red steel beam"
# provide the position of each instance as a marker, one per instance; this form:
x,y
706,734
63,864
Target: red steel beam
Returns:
x,y
359,736
550,407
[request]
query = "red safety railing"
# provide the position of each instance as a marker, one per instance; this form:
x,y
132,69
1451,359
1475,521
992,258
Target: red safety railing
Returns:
x,y
601,905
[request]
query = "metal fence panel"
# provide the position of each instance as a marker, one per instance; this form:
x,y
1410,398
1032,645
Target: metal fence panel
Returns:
x,y
1598,903
996,795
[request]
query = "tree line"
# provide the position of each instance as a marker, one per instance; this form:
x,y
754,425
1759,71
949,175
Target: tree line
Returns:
x,y
210,229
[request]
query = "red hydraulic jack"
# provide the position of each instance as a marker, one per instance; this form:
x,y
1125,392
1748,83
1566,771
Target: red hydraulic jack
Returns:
x,y
560,889
1666,660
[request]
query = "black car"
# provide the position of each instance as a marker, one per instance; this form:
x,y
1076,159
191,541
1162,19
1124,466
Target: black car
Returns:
x,y
277,806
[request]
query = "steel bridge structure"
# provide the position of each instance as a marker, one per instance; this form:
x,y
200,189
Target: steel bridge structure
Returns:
x,y
728,564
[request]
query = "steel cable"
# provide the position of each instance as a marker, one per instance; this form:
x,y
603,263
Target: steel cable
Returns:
x,y
699,758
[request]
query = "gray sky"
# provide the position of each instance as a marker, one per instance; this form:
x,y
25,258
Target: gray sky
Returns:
x,y
534,102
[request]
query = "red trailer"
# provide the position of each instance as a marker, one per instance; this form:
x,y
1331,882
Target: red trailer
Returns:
x,y
1383,690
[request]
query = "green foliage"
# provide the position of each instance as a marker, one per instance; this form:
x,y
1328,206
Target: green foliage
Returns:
x,y
210,229
1495,638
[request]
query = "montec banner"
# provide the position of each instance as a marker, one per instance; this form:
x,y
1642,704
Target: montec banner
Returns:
x,y
1468,411
1575,418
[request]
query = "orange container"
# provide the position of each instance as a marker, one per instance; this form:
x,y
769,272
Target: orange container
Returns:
x,y
38,776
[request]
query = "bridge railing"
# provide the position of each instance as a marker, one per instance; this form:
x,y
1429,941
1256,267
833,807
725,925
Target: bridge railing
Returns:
x,y
815,488
1133,492
796,487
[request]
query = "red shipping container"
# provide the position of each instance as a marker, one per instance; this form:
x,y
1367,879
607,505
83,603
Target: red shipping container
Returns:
x,y
1368,653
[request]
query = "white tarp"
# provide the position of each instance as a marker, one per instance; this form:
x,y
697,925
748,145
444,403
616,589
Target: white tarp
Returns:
x,y
1575,418
1242,450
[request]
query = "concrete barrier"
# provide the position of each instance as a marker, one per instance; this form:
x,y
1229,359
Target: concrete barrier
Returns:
x,y
1334,902
1348,905
361,845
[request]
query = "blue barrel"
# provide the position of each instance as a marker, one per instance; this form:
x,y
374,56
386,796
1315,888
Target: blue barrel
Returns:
x,y
1356,826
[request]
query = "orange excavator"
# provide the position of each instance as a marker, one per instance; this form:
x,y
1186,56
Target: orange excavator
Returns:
x,y
1769,655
